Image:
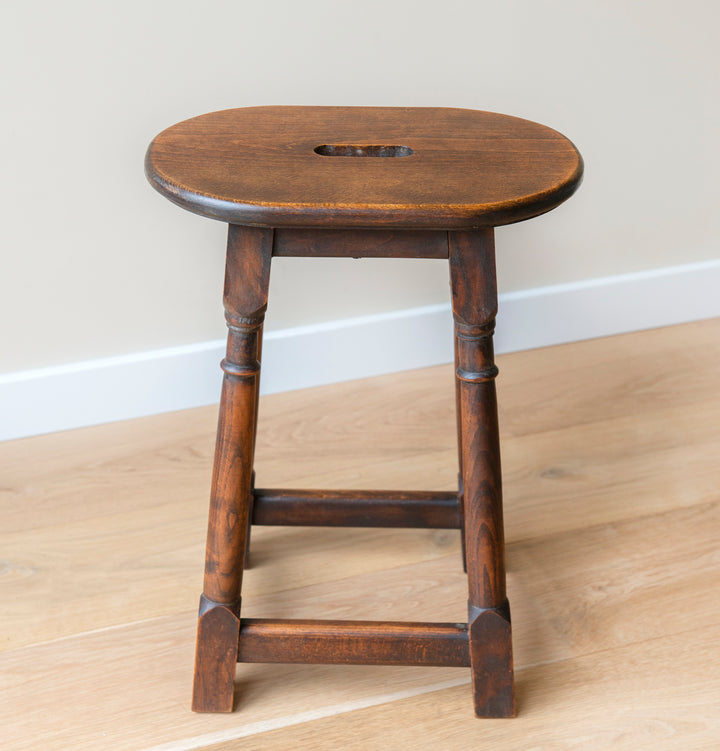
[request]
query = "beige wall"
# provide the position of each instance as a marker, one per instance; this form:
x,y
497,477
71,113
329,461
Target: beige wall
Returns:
x,y
94,263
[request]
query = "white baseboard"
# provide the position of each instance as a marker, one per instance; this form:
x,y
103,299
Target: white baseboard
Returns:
x,y
117,388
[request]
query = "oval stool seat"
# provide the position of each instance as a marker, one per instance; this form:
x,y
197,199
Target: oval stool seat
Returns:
x,y
372,167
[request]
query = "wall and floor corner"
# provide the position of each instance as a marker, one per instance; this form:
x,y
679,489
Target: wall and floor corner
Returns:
x,y
106,290
104,390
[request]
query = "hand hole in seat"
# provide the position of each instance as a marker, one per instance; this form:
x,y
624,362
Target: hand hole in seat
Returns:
x,y
343,149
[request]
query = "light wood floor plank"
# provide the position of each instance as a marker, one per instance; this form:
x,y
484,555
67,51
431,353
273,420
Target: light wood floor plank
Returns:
x,y
574,595
612,494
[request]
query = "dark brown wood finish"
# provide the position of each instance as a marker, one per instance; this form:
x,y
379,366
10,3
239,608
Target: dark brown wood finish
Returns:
x,y
215,657
356,508
354,642
474,299
340,243
258,166
491,661
360,182
254,441
246,288
458,425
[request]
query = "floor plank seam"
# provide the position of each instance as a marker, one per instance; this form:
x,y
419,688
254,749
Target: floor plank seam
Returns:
x,y
102,629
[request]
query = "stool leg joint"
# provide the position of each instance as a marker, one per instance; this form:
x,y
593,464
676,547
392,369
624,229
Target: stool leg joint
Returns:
x,y
207,604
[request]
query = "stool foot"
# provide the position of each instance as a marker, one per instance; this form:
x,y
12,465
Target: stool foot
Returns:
x,y
492,662
215,657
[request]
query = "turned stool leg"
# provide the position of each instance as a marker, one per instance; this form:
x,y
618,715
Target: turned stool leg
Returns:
x,y
474,293
246,287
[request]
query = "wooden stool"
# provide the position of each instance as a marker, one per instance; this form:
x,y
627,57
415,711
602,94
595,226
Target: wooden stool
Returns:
x,y
360,182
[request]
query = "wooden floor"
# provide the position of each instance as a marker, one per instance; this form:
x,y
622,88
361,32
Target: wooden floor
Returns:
x,y
611,453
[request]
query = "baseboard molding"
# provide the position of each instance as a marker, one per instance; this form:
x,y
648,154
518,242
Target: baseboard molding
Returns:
x,y
117,388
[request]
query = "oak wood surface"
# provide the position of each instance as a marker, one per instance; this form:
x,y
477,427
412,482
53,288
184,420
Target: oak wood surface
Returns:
x,y
374,243
354,642
256,169
248,258
216,650
247,278
356,508
474,302
612,510
258,166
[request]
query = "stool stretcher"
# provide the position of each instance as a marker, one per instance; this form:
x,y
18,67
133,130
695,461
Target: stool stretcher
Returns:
x,y
354,642
356,508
